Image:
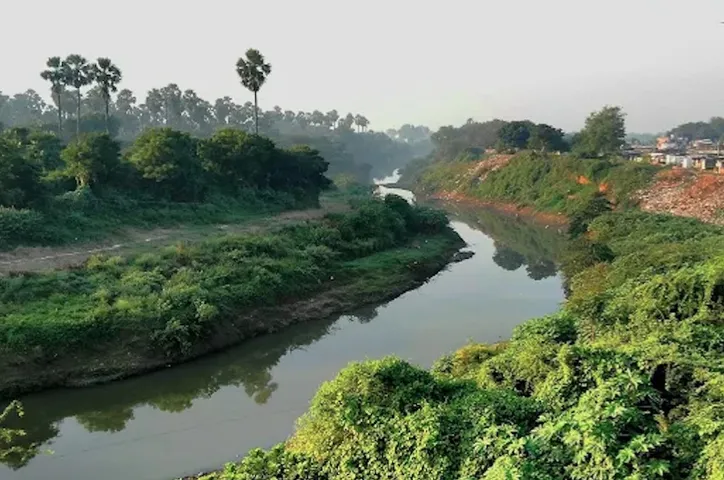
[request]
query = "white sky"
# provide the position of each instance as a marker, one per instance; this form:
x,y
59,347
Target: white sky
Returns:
x,y
399,61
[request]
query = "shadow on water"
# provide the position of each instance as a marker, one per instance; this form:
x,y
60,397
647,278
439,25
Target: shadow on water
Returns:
x,y
108,408
518,242
131,424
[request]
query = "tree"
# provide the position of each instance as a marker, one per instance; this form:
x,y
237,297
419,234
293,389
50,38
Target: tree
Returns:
x,y
346,123
20,173
93,101
332,118
91,159
55,74
515,135
603,134
78,73
167,160
172,104
547,139
317,118
253,72
237,159
197,110
107,76
125,101
361,122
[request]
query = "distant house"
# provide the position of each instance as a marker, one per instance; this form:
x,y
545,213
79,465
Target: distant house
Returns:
x,y
703,144
704,162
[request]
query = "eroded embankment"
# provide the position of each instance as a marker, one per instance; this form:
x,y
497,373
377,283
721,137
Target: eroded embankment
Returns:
x,y
686,193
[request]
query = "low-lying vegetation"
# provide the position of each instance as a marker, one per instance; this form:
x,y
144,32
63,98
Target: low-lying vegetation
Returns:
x,y
167,303
50,193
626,381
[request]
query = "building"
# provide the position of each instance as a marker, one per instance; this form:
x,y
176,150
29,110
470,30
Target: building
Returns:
x,y
719,167
703,162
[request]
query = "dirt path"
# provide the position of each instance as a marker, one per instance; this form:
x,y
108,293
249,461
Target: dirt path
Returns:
x,y
37,259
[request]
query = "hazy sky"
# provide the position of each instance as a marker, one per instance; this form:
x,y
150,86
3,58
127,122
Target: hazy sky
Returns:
x,y
399,61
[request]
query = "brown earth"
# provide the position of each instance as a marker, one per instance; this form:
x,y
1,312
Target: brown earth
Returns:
x,y
480,172
37,259
686,193
546,218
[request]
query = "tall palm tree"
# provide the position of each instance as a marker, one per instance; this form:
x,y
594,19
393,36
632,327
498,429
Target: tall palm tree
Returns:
x,y
107,76
55,74
78,74
253,71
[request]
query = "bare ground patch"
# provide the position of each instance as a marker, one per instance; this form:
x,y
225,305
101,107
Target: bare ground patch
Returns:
x,y
131,241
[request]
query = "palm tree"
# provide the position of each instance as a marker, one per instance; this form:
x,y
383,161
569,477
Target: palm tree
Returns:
x,y
107,76
78,74
253,71
55,74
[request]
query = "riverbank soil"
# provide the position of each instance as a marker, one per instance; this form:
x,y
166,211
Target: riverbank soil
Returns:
x,y
375,278
134,241
686,193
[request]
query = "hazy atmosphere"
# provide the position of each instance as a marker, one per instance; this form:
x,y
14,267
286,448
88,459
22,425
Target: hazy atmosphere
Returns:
x,y
401,61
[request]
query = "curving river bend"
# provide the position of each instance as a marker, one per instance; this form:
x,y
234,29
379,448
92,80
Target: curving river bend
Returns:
x,y
196,416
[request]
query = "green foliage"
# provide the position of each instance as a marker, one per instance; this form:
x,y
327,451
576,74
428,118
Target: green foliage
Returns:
x,y
11,453
166,159
604,133
15,224
92,159
558,183
625,382
178,296
20,171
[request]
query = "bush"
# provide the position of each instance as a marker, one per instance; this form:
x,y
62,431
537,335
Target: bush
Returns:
x,y
175,297
20,225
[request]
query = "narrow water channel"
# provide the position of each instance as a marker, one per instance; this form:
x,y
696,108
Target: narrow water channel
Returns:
x,y
196,416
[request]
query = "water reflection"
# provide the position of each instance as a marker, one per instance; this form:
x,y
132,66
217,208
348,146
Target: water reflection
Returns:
x,y
119,430
109,408
518,242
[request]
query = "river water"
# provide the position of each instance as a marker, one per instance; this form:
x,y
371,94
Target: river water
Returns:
x,y
195,417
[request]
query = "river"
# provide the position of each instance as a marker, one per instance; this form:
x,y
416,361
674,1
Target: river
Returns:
x,y
195,417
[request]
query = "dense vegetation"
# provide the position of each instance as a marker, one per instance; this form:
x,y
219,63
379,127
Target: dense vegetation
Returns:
x,y
87,98
50,193
557,183
176,297
626,381
712,130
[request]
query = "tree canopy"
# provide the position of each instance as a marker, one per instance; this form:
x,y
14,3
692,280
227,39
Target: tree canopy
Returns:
x,y
604,133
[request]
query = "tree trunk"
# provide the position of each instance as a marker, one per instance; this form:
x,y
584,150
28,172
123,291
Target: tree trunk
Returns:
x,y
77,118
256,114
107,129
60,117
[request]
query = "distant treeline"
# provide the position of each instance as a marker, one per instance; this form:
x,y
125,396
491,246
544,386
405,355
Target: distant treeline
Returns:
x,y
51,192
711,130
84,100
604,134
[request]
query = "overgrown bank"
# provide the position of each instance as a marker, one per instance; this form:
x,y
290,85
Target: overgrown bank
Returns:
x,y
561,184
114,316
626,381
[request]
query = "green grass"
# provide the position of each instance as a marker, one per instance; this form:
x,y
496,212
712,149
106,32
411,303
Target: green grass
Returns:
x,y
81,216
175,297
625,382
552,183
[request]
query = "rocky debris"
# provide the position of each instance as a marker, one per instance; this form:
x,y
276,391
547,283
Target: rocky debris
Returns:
x,y
686,193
